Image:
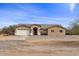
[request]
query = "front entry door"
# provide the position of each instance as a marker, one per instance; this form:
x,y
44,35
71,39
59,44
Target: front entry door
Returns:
x,y
35,31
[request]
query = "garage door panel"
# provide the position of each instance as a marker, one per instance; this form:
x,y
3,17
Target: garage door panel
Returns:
x,y
22,32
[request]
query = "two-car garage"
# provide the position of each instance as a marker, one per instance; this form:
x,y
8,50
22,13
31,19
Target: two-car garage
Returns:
x,y
22,30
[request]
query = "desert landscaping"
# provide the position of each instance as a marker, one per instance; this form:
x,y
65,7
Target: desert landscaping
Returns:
x,y
39,45
39,29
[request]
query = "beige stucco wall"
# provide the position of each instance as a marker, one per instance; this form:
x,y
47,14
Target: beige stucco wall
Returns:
x,y
56,31
26,28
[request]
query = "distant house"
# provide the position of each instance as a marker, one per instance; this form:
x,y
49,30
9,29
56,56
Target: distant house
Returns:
x,y
39,29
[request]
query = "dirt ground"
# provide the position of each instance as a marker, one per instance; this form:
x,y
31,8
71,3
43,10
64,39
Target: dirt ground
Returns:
x,y
35,47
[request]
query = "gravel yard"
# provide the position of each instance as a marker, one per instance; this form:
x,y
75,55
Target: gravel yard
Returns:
x,y
41,47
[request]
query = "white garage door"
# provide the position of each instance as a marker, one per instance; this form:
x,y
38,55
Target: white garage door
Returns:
x,y
22,32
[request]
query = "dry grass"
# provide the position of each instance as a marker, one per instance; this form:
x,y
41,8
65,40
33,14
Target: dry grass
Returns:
x,y
7,37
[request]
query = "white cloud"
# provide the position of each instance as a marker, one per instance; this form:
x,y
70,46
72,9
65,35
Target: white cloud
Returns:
x,y
52,18
72,6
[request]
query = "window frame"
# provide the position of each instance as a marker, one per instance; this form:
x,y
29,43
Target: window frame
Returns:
x,y
52,30
60,31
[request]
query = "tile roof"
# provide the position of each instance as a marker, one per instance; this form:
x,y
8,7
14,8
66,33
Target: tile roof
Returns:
x,y
42,25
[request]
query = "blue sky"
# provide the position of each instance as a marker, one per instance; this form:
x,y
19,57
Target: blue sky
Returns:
x,y
38,13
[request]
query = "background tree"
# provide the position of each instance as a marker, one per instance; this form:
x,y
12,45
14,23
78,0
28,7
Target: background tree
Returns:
x,y
74,28
8,30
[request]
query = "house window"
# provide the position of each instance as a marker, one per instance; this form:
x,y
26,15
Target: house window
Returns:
x,y
52,30
60,30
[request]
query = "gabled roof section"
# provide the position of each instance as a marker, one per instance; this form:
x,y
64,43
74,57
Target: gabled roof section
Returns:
x,y
22,25
57,26
36,25
46,25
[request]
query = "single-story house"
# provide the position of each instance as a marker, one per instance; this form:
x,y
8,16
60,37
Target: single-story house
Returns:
x,y
39,29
